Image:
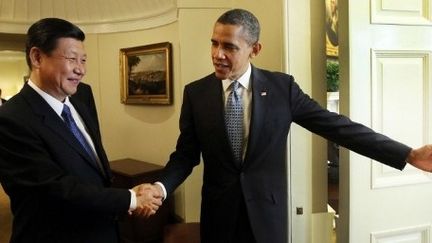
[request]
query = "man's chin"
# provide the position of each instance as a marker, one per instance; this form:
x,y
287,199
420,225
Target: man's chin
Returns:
x,y
71,91
221,76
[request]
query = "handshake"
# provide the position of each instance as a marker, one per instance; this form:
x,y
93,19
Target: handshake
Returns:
x,y
149,199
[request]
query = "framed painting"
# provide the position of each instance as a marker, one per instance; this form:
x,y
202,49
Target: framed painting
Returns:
x,y
332,37
146,74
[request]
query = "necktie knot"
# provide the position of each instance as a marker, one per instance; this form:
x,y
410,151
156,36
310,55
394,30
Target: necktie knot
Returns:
x,y
235,88
66,113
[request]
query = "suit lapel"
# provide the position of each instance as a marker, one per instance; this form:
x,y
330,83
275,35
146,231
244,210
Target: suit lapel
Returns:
x,y
260,96
91,124
216,109
53,121
214,112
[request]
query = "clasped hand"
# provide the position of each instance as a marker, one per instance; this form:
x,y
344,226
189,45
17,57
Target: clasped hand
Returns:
x,y
149,199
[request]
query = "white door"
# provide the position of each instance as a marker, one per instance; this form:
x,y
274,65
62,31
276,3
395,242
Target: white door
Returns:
x,y
385,54
305,60
298,63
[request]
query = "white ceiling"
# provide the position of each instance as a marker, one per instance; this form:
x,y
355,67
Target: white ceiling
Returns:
x,y
93,16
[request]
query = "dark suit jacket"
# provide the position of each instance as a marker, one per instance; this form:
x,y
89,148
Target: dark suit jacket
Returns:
x,y
57,193
262,178
85,95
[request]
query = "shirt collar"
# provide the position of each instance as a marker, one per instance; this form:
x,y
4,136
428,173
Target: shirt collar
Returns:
x,y
244,80
55,104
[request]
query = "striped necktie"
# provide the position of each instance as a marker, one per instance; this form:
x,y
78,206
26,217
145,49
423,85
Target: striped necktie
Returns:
x,y
70,123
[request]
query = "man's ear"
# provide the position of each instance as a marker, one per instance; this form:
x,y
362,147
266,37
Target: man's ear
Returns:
x,y
256,48
35,55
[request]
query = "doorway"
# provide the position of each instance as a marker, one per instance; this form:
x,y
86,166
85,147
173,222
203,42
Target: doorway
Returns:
x,y
13,66
332,78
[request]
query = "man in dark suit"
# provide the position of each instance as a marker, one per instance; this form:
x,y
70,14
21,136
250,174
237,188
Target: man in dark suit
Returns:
x,y
52,162
2,101
244,194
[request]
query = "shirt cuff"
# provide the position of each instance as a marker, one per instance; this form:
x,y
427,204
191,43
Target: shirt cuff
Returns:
x,y
163,189
133,201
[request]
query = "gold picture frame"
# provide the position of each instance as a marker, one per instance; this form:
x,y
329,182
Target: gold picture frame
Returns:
x,y
332,26
146,74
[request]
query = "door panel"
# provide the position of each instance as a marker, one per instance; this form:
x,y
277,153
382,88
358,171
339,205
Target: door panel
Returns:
x,y
386,84
400,81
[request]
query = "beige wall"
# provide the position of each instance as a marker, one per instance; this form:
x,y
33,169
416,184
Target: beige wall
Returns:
x,y
142,132
12,63
12,73
270,15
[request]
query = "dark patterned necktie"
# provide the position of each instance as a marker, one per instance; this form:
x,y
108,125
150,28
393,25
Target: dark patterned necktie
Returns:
x,y
234,121
70,123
